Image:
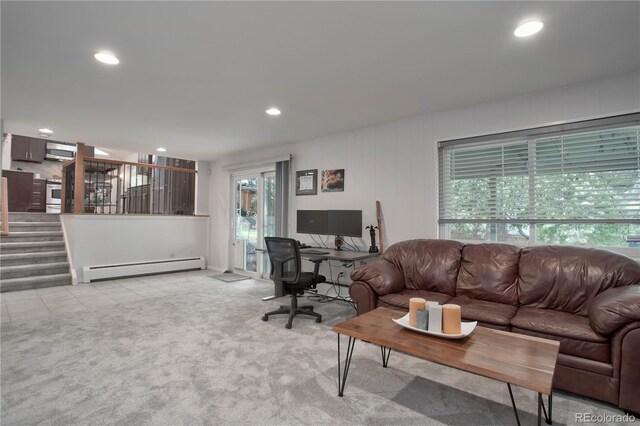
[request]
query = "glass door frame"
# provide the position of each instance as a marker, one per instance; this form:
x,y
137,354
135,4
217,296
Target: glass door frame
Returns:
x,y
259,175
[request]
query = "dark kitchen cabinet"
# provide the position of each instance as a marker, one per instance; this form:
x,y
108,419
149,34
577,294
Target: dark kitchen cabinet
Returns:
x,y
19,189
24,148
20,148
180,163
39,196
173,162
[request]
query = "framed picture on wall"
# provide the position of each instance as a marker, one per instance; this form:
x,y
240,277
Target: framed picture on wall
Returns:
x,y
332,180
306,182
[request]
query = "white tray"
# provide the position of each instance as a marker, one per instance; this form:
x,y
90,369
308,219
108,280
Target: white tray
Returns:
x,y
466,328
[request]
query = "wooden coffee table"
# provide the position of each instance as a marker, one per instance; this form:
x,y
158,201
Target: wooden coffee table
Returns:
x,y
515,359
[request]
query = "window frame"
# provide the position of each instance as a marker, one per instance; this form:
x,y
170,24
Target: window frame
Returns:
x,y
528,136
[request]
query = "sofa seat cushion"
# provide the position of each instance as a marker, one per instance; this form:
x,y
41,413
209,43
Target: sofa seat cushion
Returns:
x,y
485,312
585,364
574,332
401,299
556,323
600,352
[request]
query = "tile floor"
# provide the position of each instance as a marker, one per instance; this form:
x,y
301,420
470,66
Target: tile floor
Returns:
x,y
52,301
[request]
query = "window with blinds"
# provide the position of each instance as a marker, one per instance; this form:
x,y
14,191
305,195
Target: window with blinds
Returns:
x,y
569,187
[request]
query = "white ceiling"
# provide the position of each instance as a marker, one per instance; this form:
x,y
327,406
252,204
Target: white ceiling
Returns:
x,y
197,77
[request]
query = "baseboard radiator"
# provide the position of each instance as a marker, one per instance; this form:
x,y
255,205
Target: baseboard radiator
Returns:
x,y
102,272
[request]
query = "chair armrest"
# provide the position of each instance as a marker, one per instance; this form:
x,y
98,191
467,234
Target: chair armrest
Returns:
x,y
382,276
615,308
278,267
317,261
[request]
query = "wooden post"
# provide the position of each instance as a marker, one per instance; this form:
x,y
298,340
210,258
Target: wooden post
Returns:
x,y
78,193
63,189
5,208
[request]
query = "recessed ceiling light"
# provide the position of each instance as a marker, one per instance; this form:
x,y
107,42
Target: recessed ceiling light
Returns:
x,y
44,135
161,149
273,111
107,58
45,130
529,28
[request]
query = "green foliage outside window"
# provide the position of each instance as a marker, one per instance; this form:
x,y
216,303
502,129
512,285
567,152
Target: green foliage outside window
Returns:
x,y
591,176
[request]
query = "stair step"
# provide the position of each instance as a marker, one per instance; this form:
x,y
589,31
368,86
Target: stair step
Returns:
x,y
30,246
31,258
34,226
33,217
38,269
26,283
33,236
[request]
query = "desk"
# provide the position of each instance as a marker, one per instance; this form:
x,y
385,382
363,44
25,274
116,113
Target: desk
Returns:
x,y
342,255
347,256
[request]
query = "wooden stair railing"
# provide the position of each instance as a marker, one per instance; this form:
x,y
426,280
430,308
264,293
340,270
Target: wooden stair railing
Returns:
x,y
5,208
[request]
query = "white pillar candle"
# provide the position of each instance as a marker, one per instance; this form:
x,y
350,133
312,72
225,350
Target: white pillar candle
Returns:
x,y
435,318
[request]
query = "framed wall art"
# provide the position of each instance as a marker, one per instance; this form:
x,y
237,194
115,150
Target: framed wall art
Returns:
x,y
332,180
306,182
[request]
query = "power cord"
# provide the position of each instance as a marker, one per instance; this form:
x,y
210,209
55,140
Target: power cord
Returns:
x,y
355,245
323,243
314,240
350,245
335,287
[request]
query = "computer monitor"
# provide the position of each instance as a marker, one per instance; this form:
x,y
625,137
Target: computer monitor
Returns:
x,y
312,222
347,223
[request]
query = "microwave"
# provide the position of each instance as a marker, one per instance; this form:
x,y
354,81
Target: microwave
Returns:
x,y
60,151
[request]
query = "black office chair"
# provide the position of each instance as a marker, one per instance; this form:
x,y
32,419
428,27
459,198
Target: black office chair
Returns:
x,y
284,255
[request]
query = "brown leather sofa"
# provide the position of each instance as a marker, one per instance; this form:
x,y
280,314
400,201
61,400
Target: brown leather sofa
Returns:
x,y
588,299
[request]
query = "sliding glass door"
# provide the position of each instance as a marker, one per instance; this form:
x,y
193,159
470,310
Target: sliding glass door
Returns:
x,y
254,207
269,215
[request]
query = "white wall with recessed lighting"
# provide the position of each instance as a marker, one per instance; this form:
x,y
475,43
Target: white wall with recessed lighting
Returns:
x,y
396,162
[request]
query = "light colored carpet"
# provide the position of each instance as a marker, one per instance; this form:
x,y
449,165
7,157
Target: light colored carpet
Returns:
x,y
206,357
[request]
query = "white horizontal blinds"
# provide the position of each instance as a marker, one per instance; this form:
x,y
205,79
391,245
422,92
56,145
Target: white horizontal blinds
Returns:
x,y
484,183
591,176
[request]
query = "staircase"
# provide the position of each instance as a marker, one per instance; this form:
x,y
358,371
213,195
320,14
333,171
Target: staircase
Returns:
x,y
33,255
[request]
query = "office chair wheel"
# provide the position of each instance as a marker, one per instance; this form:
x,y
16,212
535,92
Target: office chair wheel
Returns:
x,y
318,319
288,325
265,318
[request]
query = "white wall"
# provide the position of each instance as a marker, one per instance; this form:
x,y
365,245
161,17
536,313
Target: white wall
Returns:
x,y
202,187
108,239
397,164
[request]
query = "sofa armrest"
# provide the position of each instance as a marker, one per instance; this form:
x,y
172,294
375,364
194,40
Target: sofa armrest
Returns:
x,y
615,308
382,276
365,298
629,373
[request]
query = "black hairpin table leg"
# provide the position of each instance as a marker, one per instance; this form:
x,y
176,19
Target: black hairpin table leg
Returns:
x,y
541,408
513,403
547,416
342,379
385,352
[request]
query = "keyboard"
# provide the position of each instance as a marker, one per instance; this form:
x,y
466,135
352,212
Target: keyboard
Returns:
x,y
315,252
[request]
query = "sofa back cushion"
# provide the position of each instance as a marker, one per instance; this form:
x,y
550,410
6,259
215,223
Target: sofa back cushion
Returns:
x,y
427,264
489,272
569,278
